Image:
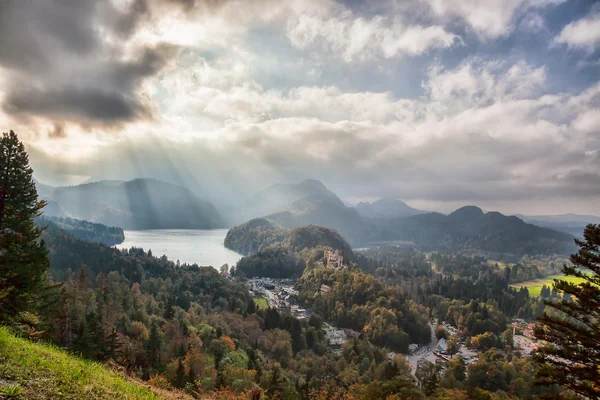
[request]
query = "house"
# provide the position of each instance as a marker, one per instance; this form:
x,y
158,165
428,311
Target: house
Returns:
x,y
335,336
325,289
351,333
441,346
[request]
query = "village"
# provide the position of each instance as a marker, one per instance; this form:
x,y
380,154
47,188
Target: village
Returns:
x,y
281,295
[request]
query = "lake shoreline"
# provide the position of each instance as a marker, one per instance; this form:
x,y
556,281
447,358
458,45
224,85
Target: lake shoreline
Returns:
x,y
203,247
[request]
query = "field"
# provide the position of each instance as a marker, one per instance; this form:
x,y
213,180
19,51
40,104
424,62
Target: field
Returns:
x,y
34,371
261,302
535,286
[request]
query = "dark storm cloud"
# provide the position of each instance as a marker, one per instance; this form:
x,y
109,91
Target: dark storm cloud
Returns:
x,y
67,60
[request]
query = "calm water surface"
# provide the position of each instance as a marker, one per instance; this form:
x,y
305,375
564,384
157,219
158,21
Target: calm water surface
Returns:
x,y
203,247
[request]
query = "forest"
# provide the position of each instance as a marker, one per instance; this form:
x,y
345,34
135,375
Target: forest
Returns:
x,y
90,231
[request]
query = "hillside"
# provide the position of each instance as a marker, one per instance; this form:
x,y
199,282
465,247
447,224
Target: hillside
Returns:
x,y
258,234
85,230
468,228
36,371
306,203
311,236
274,251
254,236
138,204
387,207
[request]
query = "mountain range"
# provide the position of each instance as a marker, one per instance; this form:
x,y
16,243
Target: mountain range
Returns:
x,y
391,221
152,204
136,204
470,229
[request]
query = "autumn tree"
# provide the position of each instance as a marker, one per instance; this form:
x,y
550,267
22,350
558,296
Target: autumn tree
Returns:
x,y
571,327
23,256
453,345
428,376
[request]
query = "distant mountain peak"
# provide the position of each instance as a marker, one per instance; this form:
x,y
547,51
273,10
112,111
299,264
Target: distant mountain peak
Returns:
x,y
387,207
467,213
313,183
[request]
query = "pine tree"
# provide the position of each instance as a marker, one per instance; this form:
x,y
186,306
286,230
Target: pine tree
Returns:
x,y
23,256
153,346
180,374
571,333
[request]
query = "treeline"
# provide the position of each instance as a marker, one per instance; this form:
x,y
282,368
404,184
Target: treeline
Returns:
x,y
85,230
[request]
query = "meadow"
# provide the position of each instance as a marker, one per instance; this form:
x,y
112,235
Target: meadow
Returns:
x,y
535,286
40,371
261,302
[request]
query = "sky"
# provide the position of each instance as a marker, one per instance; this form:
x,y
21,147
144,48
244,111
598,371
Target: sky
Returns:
x,y
441,103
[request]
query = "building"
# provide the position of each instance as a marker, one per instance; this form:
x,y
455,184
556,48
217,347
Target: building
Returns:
x,y
334,336
325,289
334,259
351,333
441,346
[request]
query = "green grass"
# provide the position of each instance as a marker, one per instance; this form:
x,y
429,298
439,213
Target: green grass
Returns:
x,y
34,371
535,286
261,302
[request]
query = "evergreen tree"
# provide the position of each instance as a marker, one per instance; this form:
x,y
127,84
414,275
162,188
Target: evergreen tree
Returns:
x,y
23,256
180,374
251,308
153,346
571,354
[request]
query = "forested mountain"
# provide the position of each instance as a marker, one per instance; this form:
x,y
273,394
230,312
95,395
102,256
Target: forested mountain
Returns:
x,y
306,203
278,252
468,228
254,236
387,207
85,230
138,204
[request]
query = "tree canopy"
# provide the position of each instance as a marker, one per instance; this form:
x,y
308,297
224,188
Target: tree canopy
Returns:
x,y
571,326
23,257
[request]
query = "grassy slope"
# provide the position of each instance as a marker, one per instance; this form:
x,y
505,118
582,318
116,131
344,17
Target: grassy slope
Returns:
x,y
46,372
535,286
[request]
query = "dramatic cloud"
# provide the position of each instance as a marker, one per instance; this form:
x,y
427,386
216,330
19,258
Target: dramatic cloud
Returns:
x,y
441,103
74,60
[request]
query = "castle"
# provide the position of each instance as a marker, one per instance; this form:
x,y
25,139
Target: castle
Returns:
x,y
334,259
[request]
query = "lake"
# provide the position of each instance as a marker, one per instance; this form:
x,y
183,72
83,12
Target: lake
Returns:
x,y
203,247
